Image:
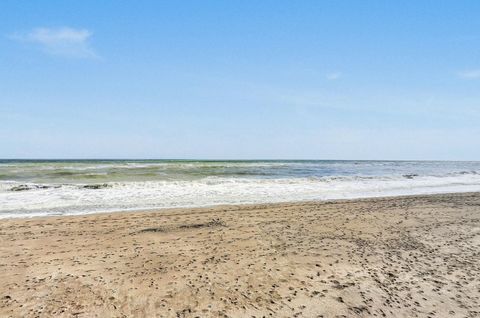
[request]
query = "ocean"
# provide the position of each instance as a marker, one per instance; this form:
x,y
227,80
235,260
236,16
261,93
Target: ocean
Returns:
x,y
71,187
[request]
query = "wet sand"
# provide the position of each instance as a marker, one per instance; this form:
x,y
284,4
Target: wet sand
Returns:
x,y
415,256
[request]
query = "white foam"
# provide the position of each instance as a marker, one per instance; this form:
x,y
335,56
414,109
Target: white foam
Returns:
x,y
75,199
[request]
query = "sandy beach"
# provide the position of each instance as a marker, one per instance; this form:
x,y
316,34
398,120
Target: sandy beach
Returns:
x,y
415,256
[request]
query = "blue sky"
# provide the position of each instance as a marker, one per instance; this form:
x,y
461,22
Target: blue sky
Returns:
x,y
240,79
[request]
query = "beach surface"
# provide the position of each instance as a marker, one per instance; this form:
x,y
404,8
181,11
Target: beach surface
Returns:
x,y
415,256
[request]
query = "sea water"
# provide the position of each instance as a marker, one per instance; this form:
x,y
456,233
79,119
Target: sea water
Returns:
x,y
65,187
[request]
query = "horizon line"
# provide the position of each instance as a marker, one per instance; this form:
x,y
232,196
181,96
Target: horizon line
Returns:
x,y
222,159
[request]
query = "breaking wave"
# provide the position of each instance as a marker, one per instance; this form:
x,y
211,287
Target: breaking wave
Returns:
x,y
65,188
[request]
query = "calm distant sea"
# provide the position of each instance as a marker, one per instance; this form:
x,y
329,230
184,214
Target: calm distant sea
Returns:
x,y
63,187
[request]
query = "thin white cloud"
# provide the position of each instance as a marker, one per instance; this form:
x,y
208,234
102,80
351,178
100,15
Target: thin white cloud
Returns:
x,y
333,76
65,41
470,74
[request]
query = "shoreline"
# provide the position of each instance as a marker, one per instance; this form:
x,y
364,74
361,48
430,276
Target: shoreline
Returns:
x,y
232,205
398,256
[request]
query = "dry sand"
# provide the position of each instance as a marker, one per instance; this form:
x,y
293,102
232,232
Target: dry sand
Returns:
x,y
391,257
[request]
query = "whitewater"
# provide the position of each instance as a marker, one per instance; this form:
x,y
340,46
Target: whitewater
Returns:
x,y
70,187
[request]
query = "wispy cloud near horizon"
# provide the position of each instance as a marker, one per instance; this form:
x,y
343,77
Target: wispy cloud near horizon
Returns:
x,y
333,76
63,41
470,74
